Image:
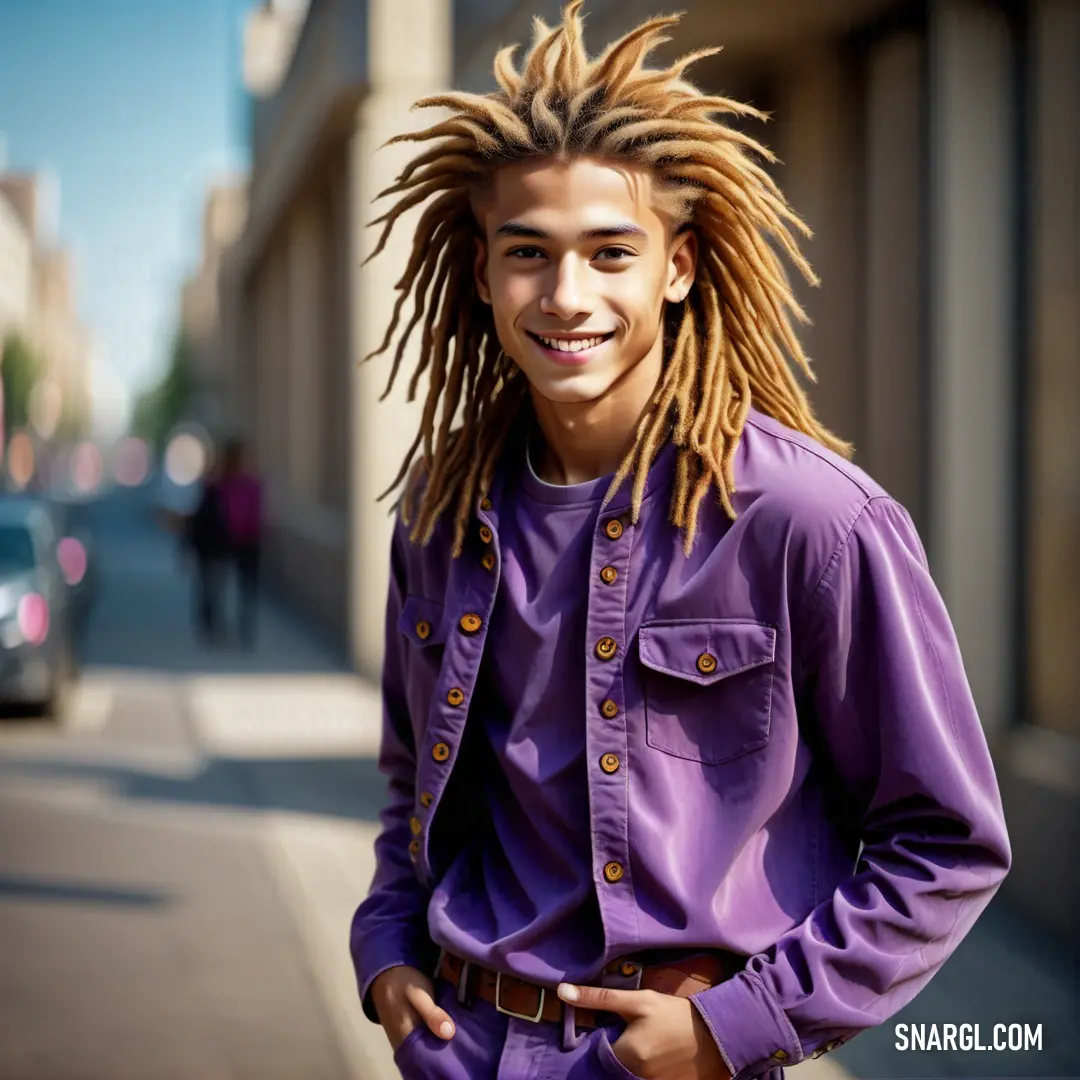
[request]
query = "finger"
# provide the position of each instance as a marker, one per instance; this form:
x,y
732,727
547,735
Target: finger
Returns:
x,y
434,1017
630,1004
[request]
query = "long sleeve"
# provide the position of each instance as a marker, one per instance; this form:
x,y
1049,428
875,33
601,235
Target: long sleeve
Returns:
x,y
390,926
889,706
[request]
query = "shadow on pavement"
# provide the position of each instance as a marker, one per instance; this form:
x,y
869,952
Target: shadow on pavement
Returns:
x,y
350,788
81,892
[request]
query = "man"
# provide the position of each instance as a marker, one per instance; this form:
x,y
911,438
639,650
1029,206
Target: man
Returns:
x,y
205,533
686,780
241,496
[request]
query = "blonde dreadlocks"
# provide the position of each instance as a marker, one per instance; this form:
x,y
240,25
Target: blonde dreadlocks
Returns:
x,y
732,334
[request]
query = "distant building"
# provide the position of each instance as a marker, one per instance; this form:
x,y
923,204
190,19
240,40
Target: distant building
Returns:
x,y
224,212
16,269
37,278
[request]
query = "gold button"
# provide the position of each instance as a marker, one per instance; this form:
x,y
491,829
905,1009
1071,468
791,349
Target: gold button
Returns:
x,y
613,872
427,799
609,709
834,1045
608,575
609,763
414,824
488,561
423,630
414,848
706,663
470,623
629,969
605,648
440,751
613,528
485,534
780,1055
455,697
485,503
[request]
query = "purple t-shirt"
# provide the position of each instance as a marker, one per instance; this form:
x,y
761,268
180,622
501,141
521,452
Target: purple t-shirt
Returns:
x,y
521,896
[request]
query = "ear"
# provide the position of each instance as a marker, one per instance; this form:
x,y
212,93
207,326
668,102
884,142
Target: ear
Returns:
x,y
682,265
480,271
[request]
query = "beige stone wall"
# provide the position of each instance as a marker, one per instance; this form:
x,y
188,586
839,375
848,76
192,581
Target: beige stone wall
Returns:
x,y
972,528
893,443
404,67
1053,373
815,137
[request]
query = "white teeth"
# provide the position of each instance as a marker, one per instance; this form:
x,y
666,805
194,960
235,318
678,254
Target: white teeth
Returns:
x,y
570,346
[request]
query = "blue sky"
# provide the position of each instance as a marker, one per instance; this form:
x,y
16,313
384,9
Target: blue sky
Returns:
x,y
134,106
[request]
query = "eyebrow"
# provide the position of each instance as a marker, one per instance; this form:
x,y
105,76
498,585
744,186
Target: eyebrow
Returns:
x,y
622,228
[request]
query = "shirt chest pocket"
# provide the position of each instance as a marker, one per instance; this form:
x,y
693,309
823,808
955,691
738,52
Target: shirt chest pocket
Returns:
x,y
708,687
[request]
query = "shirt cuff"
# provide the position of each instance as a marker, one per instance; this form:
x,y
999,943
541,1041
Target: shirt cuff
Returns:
x,y
391,950
752,1032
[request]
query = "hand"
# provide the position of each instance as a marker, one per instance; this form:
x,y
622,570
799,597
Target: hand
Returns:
x,y
404,998
665,1035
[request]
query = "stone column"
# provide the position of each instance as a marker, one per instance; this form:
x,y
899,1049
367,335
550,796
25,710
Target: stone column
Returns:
x,y
410,49
973,469
305,358
893,444
1053,372
816,141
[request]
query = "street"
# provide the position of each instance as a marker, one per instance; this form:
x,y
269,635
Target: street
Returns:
x,y
180,860
179,863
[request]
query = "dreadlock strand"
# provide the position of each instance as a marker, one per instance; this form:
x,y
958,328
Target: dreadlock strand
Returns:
x,y
623,56
435,257
506,74
451,145
536,69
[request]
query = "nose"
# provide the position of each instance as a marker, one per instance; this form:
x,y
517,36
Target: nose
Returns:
x,y
566,296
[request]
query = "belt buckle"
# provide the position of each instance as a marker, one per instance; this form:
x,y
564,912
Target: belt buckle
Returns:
x,y
510,1012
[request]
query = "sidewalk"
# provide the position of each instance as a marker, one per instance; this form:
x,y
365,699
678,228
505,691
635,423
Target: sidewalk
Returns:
x,y
295,734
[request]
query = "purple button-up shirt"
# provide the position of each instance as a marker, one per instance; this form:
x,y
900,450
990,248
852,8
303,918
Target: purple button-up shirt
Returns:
x,y
789,691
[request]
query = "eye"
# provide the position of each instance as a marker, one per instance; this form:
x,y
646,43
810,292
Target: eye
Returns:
x,y
614,254
526,253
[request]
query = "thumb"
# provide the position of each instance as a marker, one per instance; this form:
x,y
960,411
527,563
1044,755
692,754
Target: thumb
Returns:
x,y
630,1004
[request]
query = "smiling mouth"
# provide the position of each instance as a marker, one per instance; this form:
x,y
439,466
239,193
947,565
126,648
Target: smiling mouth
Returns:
x,y
570,345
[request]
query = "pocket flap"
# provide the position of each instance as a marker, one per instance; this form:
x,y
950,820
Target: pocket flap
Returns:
x,y
706,650
421,621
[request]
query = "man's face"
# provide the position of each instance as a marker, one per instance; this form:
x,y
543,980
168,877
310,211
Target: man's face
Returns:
x,y
577,263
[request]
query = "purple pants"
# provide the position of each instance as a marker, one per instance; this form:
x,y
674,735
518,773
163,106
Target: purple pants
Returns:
x,y
490,1046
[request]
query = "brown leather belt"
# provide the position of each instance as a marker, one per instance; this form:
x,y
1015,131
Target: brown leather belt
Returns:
x,y
529,1001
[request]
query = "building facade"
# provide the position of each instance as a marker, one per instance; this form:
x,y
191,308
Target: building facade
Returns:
x,y
932,147
38,291
16,270
224,213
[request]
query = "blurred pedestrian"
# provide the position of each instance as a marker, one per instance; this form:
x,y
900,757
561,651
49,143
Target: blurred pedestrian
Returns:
x,y
206,537
241,494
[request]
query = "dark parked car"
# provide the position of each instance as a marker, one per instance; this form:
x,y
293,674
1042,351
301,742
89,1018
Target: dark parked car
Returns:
x,y
37,607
